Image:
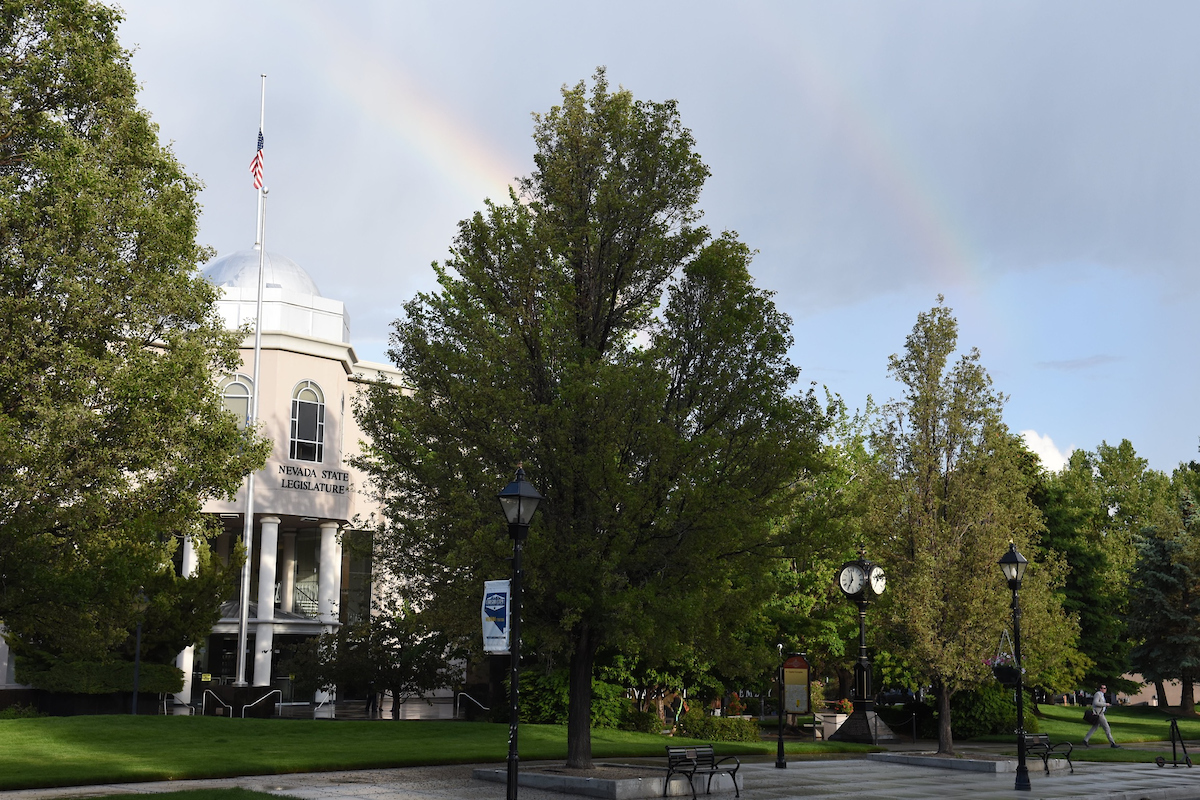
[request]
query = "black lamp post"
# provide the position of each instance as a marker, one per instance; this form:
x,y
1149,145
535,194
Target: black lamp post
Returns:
x,y
141,605
519,500
780,758
1013,564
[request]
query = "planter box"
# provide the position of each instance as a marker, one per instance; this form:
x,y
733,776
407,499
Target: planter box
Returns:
x,y
830,723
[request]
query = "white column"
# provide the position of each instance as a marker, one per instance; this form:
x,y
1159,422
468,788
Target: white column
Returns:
x,y
186,659
287,572
264,638
328,572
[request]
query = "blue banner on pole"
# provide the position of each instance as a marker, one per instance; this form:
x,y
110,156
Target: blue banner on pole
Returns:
x,y
496,598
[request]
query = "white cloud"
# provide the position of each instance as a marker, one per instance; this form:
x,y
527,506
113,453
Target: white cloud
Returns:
x,y
1052,458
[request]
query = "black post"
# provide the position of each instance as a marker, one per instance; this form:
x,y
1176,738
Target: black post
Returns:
x,y
780,759
862,670
1022,783
517,532
137,665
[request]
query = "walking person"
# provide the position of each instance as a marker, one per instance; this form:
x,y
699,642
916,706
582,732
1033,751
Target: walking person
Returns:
x,y
1099,703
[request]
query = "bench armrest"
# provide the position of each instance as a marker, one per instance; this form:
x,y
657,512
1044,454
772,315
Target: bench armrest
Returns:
x,y
721,761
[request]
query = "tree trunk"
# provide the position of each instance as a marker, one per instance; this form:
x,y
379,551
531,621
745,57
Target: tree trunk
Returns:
x,y
1187,697
1160,689
579,704
945,740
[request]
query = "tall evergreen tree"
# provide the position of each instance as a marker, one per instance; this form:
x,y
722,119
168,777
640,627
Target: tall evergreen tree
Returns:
x,y
592,330
1094,507
952,493
1164,607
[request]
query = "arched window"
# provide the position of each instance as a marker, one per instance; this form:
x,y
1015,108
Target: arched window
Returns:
x,y
308,422
237,390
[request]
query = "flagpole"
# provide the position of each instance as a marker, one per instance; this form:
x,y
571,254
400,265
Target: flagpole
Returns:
x,y
248,518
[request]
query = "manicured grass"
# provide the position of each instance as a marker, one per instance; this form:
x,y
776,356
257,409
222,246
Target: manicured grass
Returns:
x,y
1129,724
67,751
200,794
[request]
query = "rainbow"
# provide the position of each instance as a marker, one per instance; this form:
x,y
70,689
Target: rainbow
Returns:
x,y
385,93
924,214
380,88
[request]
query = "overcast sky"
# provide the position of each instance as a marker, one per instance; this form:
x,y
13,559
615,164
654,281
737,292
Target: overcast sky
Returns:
x,y
1036,163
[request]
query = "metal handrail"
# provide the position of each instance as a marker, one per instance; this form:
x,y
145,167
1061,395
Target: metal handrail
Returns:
x,y
166,704
204,703
323,702
472,699
259,700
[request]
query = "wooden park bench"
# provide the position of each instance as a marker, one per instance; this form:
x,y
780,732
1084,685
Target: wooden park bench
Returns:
x,y
699,760
1038,744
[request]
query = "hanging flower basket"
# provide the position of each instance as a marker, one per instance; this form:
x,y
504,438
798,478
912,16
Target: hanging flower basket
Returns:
x,y
1004,663
1007,674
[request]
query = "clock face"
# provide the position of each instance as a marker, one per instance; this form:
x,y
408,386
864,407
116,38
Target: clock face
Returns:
x,y
852,579
878,580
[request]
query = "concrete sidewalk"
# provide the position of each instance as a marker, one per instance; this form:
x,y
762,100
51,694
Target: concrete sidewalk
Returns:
x,y
843,778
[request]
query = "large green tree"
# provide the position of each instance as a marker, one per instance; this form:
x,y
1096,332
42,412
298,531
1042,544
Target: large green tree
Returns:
x,y
111,429
1094,508
952,492
591,329
1164,598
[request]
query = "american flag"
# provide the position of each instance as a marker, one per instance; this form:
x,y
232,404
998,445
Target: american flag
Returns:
x,y
256,166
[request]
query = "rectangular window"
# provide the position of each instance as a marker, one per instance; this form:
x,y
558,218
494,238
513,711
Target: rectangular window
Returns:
x,y
308,431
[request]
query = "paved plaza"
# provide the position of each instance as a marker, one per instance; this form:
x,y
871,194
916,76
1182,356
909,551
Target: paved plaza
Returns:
x,y
840,778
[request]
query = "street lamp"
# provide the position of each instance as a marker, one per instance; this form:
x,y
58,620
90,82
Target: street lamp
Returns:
x,y
1013,565
780,758
519,500
140,606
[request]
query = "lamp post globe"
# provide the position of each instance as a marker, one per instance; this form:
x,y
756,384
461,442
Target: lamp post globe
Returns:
x,y
1013,565
519,500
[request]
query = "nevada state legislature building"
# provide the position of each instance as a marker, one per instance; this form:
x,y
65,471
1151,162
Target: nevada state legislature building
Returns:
x,y
308,500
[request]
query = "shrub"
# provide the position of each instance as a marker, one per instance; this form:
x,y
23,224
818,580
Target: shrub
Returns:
x,y
94,677
544,697
641,721
19,712
695,724
990,709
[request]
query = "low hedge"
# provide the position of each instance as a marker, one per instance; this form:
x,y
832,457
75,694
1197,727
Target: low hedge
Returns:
x,y
695,724
95,677
641,721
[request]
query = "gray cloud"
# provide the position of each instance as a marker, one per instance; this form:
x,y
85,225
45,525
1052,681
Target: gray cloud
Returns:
x,y
874,153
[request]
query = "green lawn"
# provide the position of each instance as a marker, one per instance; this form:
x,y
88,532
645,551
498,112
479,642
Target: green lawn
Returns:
x,y
200,794
1129,724
67,751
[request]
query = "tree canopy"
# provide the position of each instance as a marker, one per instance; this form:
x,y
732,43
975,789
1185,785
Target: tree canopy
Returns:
x,y
593,330
951,492
111,427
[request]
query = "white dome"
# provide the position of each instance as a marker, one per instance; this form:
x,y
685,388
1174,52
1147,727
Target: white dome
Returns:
x,y
240,270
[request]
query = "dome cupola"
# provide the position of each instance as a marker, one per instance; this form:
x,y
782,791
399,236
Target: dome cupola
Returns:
x,y
240,270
